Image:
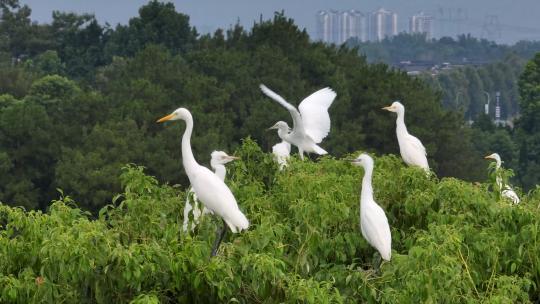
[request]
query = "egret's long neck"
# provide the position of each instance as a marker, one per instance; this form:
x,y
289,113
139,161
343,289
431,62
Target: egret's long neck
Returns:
x,y
400,122
220,171
190,164
498,178
499,163
367,190
283,133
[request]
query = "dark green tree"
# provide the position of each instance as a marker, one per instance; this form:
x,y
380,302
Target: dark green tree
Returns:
x,y
80,42
158,23
528,125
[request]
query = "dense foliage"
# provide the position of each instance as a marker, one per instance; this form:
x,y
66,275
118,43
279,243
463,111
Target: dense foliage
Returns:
x,y
76,109
453,242
528,129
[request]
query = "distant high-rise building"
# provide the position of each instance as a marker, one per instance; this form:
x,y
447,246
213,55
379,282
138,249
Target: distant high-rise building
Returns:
x,y
338,27
328,26
353,25
382,24
421,23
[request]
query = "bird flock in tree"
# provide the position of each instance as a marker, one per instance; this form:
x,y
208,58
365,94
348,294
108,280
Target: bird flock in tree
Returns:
x,y
311,124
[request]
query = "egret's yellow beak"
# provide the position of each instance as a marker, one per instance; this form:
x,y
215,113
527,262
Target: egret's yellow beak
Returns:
x,y
387,108
234,157
488,157
168,117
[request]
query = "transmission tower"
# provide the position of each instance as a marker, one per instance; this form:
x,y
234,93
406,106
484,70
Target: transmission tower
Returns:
x,y
451,20
491,29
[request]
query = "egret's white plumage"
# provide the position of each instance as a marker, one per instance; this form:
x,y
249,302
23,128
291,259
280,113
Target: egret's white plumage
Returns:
x,y
506,190
373,222
311,122
217,162
411,149
208,187
281,153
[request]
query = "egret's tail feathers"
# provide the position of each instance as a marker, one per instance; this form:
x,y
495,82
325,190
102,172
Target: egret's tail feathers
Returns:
x,y
386,254
237,222
320,150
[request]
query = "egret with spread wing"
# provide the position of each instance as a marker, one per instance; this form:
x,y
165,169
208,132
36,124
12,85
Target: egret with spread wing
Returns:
x,y
217,162
506,190
208,187
373,222
311,122
411,149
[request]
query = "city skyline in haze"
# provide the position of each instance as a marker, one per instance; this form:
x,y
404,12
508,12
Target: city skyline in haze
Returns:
x,y
501,20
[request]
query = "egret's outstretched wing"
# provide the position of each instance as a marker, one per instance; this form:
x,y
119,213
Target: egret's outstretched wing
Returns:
x,y
297,119
314,111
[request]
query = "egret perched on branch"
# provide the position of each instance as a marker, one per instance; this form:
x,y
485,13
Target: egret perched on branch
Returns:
x,y
281,153
217,162
208,187
373,221
411,149
311,122
506,190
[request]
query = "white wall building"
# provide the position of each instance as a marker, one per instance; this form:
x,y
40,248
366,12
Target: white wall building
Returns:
x,y
338,27
382,24
353,25
328,26
421,23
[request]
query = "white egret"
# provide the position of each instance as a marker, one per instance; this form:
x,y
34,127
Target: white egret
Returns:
x,y
411,149
311,122
281,153
506,190
217,162
373,221
208,187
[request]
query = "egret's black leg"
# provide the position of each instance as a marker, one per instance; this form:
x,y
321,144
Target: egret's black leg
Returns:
x,y
377,261
220,234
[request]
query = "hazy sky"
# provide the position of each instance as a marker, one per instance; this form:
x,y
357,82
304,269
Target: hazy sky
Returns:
x,y
517,19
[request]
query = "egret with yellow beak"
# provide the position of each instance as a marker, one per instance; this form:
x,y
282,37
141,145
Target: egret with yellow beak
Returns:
x,y
209,188
411,149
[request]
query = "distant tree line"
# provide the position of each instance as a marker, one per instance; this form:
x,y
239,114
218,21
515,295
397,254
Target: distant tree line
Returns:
x,y
463,48
79,100
487,67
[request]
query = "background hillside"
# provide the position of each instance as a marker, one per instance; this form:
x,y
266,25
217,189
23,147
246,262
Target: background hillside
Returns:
x,y
79,100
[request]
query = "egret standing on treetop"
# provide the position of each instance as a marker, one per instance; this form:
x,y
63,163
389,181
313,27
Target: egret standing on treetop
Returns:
x,y
373,221
411,149
208,187
506,190
281,153
217,162
311,122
